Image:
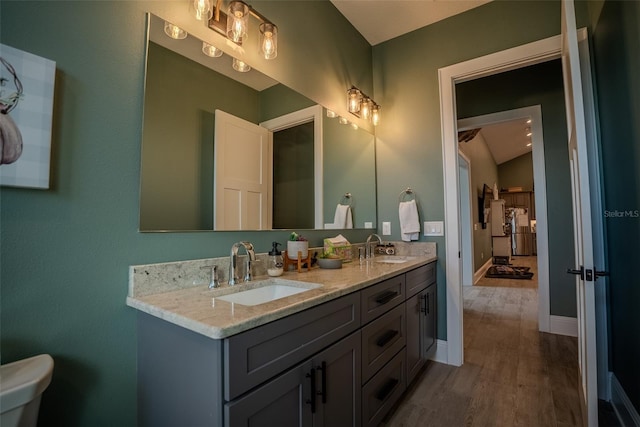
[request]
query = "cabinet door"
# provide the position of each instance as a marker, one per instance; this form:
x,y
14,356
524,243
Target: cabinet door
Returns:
x,y
416,325
338,392
282,402
429,333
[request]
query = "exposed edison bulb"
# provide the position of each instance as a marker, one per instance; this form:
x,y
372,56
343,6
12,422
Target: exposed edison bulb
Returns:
x,y
240,66
365,109
201,9
237,21
353,100
211,50
174,31
375,115
268,40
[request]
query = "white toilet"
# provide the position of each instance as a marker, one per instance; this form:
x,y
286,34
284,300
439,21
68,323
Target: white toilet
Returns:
x,y
21,387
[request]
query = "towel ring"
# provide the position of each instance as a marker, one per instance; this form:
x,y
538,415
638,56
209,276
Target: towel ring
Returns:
x,y
406,193
347,198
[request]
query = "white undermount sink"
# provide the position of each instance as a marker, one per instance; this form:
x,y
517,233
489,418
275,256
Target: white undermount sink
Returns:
x,y
260,292
392,259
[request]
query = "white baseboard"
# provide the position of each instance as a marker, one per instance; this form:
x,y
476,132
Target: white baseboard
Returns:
x,y
562,325
480,273
626,413
441,354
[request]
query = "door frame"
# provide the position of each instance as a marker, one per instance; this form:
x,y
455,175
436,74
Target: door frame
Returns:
x,y
506,60
540,183
299,117
466,222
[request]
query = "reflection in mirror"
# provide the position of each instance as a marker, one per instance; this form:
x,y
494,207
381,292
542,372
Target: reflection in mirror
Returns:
x,y
182,94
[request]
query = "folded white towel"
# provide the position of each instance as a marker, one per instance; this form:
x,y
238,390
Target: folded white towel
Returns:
x,y
409,223
342,217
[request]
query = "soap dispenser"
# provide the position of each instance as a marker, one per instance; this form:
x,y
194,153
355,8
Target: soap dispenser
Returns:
x,y
275,262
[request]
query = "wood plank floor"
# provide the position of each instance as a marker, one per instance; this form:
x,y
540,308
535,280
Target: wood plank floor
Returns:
x,y
513,375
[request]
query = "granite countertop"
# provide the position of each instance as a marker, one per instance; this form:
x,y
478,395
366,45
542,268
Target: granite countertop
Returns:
x,y
199,309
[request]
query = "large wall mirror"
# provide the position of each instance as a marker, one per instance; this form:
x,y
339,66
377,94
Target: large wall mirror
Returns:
x,y
315,161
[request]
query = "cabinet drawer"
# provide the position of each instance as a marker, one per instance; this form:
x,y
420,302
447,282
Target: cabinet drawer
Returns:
x,y
382,297
381,340
255,356
420,278
383,391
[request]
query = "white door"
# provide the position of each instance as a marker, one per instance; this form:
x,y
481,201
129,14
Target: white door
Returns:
x,y
584,264
241,174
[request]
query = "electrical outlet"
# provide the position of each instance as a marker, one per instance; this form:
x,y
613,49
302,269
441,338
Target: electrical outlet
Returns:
x,y
386,228
475,227
481,255
368,224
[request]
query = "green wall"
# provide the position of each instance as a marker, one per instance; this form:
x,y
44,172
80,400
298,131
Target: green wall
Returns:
x,y
616,37
483,171
65,252
544,87
517,172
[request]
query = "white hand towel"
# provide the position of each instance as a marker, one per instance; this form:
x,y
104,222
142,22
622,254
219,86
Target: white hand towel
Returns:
x,y
342,217
409,223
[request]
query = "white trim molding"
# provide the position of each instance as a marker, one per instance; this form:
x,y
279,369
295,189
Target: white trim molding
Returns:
x,y
440,355
562,325
510,59
624,409
480,273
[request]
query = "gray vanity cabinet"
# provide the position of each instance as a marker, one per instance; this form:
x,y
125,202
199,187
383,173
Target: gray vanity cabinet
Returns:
x,y
323,391
342,363
421,320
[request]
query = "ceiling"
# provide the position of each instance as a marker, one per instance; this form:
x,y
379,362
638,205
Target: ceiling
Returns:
x,y
507,140
382,20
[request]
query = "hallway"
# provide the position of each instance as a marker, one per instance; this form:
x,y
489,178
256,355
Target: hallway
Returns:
x,y
513,375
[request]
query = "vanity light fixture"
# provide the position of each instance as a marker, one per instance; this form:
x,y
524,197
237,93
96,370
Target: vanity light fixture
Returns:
x,y
234,25
331,114
211,50
174,31
362,106
240,65
202,10
343,120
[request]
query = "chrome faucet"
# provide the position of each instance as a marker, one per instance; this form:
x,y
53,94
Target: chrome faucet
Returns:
x,y
368,250
233,262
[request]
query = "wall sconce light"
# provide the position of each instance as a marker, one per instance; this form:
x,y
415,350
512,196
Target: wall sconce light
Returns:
x,y
362,106
240,66
234,25
202,10
174,31
211,50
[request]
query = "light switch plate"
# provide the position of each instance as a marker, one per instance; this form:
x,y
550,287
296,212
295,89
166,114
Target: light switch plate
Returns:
x,y
368,224
434,228
386,228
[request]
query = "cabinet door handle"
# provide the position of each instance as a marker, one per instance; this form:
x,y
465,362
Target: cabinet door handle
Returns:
x,y
386,389
386,337
385,297
323,381
428,304
423,304
312,401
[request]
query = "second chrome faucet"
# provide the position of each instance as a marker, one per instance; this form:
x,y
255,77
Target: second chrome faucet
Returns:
x,y
233,262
